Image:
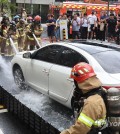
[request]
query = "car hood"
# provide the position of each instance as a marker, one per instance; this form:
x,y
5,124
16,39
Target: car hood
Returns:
x,y
21,53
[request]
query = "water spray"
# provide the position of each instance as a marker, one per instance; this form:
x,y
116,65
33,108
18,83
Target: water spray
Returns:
x,y
13,46
36,40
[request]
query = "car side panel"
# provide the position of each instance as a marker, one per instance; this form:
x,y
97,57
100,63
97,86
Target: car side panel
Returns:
x,y
60,84
37,73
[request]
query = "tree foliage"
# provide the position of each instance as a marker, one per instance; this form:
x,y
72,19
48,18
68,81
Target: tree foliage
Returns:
x,y
6,7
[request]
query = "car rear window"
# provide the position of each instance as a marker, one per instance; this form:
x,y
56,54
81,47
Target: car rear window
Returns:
x,y
91,49
109,60
108,56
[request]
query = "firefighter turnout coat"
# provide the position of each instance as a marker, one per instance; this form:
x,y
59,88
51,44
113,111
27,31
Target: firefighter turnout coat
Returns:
x,y
92,115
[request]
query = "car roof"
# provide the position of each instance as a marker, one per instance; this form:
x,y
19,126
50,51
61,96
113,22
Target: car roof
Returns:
x,y
93,47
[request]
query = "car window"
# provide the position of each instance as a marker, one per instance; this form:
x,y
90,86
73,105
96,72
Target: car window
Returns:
x,y
70,57
93,48
48,53
109,60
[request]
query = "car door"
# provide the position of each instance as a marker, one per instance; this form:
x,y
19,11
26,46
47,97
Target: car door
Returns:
x,y
60,83
38,69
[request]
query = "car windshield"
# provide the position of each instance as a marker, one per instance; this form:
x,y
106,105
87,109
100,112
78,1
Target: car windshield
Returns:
x,y
108,58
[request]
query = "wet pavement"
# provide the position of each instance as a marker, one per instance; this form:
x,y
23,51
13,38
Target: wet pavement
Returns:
x,y
53,112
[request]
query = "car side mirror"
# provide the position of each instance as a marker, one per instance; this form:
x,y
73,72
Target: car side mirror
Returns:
x,y
27,55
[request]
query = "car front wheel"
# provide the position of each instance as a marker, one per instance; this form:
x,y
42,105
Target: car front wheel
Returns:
x,y
19,78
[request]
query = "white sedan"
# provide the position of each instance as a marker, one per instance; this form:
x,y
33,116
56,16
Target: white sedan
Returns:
x,y
48,68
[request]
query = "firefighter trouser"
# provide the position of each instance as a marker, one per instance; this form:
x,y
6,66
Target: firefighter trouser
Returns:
x,y
21,41
30,41
10,51
3,46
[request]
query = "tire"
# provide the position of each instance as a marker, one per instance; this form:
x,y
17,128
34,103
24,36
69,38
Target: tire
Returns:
x,y
19,78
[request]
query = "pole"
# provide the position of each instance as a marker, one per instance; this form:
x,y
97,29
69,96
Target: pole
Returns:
x,y
40,9
31,3
24,3
108,6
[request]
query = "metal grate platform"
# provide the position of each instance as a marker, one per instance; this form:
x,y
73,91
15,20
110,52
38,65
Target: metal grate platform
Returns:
x,y
26,115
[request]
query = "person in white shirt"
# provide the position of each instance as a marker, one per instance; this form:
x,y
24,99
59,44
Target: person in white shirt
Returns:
x,y
57,29
92,19
84,26
75,27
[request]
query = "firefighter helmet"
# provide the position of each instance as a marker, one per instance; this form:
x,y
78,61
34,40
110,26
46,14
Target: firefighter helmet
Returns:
x,y
5,17
12,23
82,71
16,17
37,18
22,21
29,18
23,9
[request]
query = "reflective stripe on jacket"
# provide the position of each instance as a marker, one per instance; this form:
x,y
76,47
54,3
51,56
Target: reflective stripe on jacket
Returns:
x,y
93,114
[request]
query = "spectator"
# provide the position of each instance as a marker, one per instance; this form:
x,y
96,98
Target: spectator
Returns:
x,y
103,16
92,19
75,27
79,18
84,27
96,30
51,28
111,27
64,17
118,32
102,29
69,26
57,32
118,17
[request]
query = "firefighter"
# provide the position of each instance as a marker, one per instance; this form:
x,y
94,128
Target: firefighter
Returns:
x,y
36,29
88,102
5,20
3,34
13,33
21,27
29,19
16,18
23,14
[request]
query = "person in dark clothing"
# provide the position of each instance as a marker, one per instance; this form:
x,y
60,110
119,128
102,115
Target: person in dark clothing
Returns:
x,y
102,29
112,22
69,25
103,16
118,33
51,27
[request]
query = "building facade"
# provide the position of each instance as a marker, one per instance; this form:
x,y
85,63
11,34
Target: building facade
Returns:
x,y
42,7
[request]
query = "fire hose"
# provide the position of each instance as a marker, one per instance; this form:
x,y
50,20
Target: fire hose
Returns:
x,y
36,40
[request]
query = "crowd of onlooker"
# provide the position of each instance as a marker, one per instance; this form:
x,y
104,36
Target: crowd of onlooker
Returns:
x,y
26,31
105,27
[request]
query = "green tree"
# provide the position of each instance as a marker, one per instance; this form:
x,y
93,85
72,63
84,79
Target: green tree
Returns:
x,y
6,7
